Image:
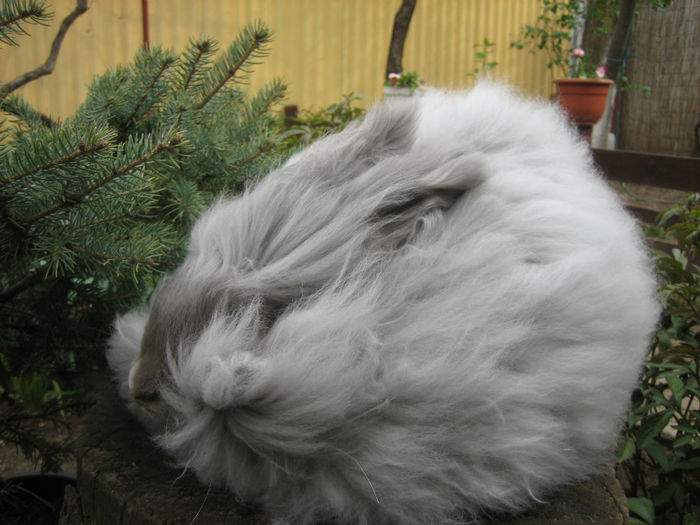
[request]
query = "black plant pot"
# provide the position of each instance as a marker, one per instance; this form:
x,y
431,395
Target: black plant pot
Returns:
x,y
33,499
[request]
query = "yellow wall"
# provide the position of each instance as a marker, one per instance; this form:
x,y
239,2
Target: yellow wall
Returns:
x,y
322,48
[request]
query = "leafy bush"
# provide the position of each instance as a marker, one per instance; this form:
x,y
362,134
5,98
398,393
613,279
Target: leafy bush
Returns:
x,y
552,31
303,128
660,451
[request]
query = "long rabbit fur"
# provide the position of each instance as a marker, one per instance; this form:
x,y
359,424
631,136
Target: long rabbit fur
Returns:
x,y
436,314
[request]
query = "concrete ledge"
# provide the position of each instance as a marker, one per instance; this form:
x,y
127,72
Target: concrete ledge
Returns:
x,y
124,480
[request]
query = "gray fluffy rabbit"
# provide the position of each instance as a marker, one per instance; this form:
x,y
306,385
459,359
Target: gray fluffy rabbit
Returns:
x,y
440,311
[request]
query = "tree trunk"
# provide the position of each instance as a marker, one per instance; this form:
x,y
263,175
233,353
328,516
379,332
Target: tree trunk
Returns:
x,y
398,37
595,43
610,50
619,42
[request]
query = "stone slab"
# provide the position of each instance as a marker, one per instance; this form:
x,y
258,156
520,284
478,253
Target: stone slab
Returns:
x,y
124,480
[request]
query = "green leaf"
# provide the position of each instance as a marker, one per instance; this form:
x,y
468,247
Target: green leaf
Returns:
x,y
653,427
626,450
690,464
659,454
662,494
642,507
663,339
691,519
681,427
683,440
676,385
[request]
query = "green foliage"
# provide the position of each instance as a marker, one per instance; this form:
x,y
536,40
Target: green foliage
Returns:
x,y
555,24
310,125
658,4
624,84
483,50
95,209
660,451
558,20
407,79
16,14
552,32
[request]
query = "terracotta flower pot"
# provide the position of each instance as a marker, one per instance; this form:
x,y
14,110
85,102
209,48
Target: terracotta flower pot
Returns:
x,y
402,91
583,98
33,498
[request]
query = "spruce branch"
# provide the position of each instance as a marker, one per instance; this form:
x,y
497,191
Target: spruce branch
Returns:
x,y
12,221
74,155
167,62
193,68
14,105
202,48
72,200
121,78
103,220
111,257
264,148
265,99
34,277
15,13
48,66
248,45
88,231
236,187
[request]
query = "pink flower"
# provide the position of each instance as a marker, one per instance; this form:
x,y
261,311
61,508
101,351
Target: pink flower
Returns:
x,y
394,78
578,52
600,72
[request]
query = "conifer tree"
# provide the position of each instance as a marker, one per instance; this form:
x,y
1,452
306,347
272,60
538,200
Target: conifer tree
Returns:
x,y
93,210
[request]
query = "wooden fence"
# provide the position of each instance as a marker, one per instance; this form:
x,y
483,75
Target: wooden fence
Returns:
x,y
321,48
660,171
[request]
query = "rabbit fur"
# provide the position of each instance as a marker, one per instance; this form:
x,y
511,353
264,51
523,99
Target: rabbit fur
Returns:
x,y
435,314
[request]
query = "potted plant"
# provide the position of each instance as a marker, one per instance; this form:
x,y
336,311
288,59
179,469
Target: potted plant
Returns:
x,y
403,84
582,89
585,92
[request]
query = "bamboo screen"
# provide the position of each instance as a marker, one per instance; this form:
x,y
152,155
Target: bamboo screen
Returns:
x,y
666,58
322,48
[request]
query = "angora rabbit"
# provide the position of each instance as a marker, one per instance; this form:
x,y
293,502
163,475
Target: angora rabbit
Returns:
x,y
437,313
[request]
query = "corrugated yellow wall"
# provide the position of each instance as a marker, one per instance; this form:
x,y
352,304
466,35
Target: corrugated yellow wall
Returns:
x,y
322,48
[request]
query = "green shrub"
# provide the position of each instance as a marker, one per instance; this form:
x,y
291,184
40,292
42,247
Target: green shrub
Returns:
x,y
660,451
308,125
95,209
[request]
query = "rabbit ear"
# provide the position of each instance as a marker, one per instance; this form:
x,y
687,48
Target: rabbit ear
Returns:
x,y
385,131
178,312
178,318
401,222
145,378
423,195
